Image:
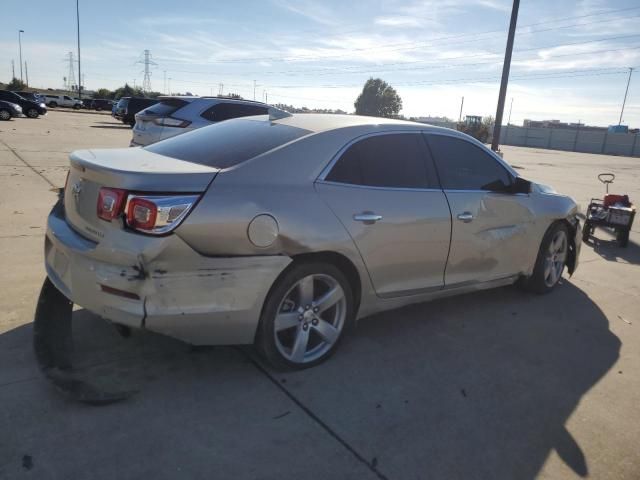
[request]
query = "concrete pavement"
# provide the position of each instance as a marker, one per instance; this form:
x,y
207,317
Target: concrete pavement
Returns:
x,y
494,385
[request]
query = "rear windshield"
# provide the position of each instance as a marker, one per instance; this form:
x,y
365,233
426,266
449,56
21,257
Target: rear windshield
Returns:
x,y
165,107
229,143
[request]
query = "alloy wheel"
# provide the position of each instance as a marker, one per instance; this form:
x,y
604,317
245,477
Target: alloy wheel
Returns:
x,y
32,113
5,115
555,259
310,318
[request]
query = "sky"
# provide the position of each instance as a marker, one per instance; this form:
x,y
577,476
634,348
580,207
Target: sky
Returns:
x,y
570,62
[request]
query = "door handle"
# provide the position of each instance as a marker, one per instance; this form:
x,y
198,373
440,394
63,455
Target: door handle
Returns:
x,y
367,217
465,217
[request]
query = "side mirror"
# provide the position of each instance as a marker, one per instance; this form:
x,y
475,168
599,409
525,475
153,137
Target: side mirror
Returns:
x,y
520,185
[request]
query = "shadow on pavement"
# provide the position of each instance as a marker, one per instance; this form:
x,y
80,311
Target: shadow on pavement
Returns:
x,y
116,127
611,251
478,386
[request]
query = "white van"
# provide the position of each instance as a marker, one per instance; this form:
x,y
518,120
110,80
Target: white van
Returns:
x,y
62,101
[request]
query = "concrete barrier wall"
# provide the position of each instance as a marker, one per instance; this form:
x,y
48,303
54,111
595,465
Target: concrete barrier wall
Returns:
x,y
624,144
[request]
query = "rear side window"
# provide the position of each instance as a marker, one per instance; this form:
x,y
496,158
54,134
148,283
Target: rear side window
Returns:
x,y
165,107
393,161
227,111
464,166
226,144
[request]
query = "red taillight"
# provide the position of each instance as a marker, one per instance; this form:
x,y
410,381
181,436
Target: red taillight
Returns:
x,y
141,214
110,203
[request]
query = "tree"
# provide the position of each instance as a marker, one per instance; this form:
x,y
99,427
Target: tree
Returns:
x,y
378,99
16,85
103,93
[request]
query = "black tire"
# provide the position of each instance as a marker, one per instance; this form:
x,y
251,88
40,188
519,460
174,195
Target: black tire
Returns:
x,y
623,238
265,341
586,231
5,114
32,113
53,104
98,109
76,107
536,282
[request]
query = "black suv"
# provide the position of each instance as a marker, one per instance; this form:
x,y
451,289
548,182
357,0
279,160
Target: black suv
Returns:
x,y
127,108
29,108
99,104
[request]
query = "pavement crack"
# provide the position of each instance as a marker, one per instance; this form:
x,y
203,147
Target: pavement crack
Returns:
x,y
371,465
33,169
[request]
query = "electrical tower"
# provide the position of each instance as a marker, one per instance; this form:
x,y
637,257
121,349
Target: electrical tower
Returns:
x,y
147,61
71,77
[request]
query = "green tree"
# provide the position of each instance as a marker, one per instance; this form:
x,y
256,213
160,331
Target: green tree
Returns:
x,y
103,93
16,85
378,99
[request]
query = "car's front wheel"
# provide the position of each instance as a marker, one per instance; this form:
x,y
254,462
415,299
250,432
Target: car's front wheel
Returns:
x,y
32,113
551,260
304,316
5,114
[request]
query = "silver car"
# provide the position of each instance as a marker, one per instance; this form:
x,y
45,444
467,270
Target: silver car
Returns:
x,y
176,115
283,232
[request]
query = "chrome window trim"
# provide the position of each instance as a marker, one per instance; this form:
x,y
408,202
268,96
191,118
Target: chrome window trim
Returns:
x,y
369,187
325,171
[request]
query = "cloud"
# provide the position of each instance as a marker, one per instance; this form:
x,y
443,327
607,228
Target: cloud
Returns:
x,y
398,21
309,9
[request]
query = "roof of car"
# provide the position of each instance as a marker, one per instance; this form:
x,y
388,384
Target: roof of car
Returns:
x,y
319,122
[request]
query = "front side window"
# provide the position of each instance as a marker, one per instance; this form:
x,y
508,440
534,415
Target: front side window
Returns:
x,y
462,165
394,160
227,111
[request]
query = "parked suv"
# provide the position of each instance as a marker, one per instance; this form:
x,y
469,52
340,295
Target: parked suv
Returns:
x,y
33,96
127,107
29,108
175,115
62,101
98,104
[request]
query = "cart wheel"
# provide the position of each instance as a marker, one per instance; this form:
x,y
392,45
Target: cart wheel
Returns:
x,y
623,238
586,231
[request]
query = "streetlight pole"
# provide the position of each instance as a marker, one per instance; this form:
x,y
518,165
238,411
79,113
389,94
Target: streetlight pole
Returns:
x,y
505,76
510,110
625,95
79,71
20,32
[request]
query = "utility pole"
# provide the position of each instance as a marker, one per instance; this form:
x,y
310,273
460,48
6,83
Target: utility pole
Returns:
x,y
79,71
505,75
13,69
254,90
461,105
20,32
510,109
221,89
26,73
625,94
164,85
169,85
71,80
146,82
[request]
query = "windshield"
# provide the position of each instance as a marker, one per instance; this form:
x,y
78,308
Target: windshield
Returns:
x,y
228,143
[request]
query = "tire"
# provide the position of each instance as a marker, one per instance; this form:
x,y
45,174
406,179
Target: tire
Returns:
x,y
301,338
586,231
53,104
549,266
623,238
5,114
76,107
98,109
32,113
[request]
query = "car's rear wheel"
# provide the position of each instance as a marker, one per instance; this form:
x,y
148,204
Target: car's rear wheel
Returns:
x,y
551,260
32,113
304,316
5,114
53,104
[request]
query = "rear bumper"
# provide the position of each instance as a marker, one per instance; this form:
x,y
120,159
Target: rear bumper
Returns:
x,y
180,293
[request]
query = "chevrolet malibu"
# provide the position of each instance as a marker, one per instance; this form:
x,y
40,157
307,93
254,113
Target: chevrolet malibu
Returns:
x,y
282,231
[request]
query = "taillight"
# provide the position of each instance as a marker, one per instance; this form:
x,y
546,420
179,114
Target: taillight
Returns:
x,y
110,202
147,213
171,122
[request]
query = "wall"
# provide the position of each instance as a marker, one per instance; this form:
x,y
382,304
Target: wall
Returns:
x,y
625,144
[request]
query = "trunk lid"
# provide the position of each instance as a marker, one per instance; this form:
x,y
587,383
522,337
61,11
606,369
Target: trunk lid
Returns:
x,y
131,169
